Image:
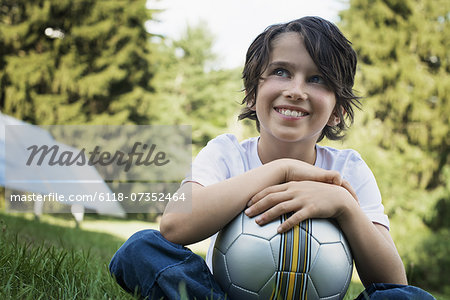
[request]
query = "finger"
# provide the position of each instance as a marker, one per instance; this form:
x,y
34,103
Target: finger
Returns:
x,y
276,211
263,204
333,177
294,219
269,190
327,176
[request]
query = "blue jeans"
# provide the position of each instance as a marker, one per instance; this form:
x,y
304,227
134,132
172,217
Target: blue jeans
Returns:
x,y
153,267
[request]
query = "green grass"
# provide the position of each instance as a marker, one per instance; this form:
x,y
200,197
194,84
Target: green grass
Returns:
x,y
43,261
51,259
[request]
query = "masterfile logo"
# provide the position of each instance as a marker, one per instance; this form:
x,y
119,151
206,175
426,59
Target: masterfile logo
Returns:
x,y
140,153
138,168
96,157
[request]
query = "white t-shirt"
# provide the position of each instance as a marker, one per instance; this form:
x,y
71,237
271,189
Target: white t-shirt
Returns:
x,y
224,157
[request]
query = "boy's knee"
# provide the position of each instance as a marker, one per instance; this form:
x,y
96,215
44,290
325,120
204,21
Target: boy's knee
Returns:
x,y
134,245
137,263
142,238
131,249
124,265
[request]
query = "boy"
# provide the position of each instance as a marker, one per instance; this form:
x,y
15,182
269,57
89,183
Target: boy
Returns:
x,y
298,80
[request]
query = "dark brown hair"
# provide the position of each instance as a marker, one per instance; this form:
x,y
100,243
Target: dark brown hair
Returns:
x,y
330,51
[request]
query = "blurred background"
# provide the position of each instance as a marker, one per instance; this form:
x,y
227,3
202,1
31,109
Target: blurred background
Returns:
x,y
174,63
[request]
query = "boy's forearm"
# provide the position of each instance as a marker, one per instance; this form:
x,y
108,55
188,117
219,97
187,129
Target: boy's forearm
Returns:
x,y
374,252
215,205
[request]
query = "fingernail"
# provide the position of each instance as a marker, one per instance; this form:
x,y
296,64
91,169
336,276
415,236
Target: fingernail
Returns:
x,y
247,211
280,229
258,219
249,203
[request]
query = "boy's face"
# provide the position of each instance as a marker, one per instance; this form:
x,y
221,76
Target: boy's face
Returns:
x,y
293,102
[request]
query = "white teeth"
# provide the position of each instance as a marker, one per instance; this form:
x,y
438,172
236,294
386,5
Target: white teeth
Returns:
x,y
291,113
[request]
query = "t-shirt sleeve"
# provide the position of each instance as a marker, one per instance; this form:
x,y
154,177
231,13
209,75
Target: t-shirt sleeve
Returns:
x,y
364,183
220,159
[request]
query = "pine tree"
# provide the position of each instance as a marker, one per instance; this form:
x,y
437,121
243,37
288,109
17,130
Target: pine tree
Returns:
x,y
404,76
75,62
189,90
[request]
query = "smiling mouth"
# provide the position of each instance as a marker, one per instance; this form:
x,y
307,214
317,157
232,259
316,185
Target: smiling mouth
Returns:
x,y
291,112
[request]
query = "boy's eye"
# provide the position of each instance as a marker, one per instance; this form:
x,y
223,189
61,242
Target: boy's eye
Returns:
x,y
281,72
317,79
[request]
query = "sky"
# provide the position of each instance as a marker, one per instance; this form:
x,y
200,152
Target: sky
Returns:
x,y
235,23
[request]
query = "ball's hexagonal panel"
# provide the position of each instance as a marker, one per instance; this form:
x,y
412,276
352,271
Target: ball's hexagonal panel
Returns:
x,y
266,231
313,295
325,231
331,271
275,247
227,236
238,293
220,269
311,292
314,250
266,291
250,262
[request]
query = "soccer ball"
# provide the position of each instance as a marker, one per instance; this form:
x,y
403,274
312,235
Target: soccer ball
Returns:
x,y
311,261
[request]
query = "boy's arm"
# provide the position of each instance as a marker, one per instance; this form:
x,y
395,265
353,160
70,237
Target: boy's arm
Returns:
x,y
214,206
376,257
374,252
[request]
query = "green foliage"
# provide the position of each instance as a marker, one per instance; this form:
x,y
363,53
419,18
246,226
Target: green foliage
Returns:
x,y
99,72
433,253
404,77
105,71
188,90
405,73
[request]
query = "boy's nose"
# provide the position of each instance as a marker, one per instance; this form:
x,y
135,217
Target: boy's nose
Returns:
x,y
295,91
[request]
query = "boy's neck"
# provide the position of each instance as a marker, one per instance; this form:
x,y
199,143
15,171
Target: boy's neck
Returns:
x,y
268,151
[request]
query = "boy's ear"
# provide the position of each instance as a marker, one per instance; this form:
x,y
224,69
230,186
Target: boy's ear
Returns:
x,y
251,103
335,117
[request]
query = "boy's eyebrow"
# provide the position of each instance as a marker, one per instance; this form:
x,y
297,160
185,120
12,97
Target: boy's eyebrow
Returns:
x,y
280,64
287,64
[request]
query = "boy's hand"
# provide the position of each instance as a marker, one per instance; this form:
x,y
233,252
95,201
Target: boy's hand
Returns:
x,y
305,199
296,170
